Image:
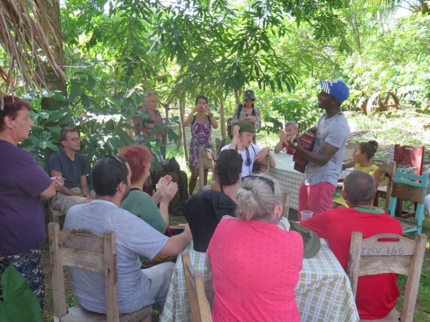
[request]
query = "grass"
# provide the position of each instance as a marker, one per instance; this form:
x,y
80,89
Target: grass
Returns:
x,y
388,129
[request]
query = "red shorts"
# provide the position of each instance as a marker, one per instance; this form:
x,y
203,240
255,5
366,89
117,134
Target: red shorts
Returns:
x,y
317,198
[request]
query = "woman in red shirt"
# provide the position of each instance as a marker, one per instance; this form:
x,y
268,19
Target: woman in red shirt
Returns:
x,y
255,265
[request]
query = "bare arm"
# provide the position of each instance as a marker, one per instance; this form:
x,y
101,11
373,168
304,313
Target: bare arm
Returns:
x,y
208,262
190,117
347,165
176,244
235,134
84,187
320,159
50,192
64,190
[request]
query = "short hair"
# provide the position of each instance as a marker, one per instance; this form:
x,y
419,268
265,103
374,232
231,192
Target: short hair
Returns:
x,y
291,123
228,167
139,159
257,197
367,149
64,131
202,96
107,173
147,120
12,105
359,187
150,94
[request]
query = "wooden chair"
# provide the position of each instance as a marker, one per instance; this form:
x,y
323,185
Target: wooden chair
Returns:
x,y
82,248
408,156
200,308
54,215
400,255
206,159
408,186
386,177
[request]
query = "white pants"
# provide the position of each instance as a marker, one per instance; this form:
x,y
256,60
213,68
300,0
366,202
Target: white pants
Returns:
x,y
159,276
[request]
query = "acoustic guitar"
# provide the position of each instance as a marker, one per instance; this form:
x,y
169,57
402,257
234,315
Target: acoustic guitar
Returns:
x,y
307,141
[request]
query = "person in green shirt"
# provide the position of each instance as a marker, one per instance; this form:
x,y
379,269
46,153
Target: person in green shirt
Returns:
x,y
140,203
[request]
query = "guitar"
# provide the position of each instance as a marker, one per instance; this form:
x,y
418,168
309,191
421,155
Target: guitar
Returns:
x,y
307,140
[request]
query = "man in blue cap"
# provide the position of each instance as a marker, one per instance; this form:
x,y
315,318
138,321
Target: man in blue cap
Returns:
x,y
325,158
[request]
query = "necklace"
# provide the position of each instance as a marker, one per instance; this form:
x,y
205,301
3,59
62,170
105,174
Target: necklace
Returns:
x,y
326,118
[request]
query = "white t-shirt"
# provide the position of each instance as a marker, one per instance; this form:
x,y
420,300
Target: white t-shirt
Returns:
x,y
334,131
252,152
133,236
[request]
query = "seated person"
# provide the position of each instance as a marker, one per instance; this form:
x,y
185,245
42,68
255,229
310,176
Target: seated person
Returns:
x,y
133,237
291,129
141,204
362,160
227,171
242,143
73,168
249,284
376,294
146,137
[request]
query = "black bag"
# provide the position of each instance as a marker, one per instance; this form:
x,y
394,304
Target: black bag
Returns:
x,y
171,166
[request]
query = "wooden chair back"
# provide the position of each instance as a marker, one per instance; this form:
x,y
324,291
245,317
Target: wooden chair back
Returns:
x,y
386,176
206,159
408,186
389,253
54,215
200,308
81,248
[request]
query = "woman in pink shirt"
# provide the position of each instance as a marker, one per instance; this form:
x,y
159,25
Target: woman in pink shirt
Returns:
x,y
255,265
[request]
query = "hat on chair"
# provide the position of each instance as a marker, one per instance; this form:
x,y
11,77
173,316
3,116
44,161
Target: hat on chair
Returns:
x,y
311,240
337,89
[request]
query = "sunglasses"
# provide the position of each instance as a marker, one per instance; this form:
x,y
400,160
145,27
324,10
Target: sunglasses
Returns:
x,y
269,181
116,158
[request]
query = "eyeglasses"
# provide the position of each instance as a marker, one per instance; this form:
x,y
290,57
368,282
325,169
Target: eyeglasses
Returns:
x,y
269,181
74,139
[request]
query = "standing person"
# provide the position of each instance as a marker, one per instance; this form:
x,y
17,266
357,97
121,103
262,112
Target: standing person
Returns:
x,y
202,120
247,111
376,294
362,160
161,170
23,186
242,135
151,102
291,130
73,167
325,159
250,284
137,288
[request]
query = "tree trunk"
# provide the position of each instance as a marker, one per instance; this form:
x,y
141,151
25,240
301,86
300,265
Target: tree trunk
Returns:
x,y
182,130
55,38
222,116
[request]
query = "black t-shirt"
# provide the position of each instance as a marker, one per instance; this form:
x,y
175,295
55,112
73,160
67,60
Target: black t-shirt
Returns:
x,y
70,170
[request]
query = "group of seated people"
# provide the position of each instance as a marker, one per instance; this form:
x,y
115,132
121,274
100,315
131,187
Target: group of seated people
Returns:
x,y
241,209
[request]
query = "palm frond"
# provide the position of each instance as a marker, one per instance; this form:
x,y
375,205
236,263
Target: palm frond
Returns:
x,y
26,43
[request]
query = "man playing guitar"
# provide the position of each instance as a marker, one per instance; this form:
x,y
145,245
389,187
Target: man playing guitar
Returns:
x,y
325,159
